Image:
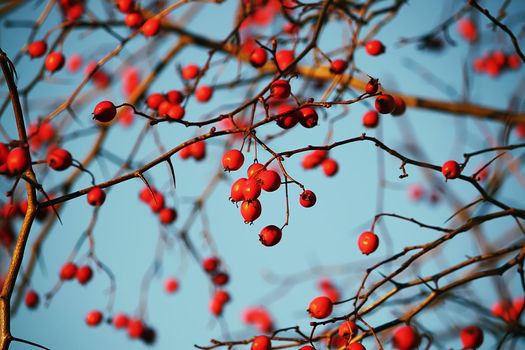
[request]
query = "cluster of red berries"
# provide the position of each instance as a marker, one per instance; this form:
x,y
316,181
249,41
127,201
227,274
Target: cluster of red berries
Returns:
x,y
249,189
320,158
167,105
508,310
496,62
212,266
70,270
290,116
259,317
136,328
157,203
196,150
384,104
134,18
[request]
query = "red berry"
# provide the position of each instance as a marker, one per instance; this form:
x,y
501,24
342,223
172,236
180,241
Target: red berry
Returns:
x,y
154,100
215,307
338,66
269,180
59,159
284,58
198,150
399,107
450,169
167,215
232,160
220,278
307,199
125,6
96,197
211,264
135,328
4,152
471,337
385,104
415,192
406,338
94,318
251,189
314,159
251,210
308,117
320,307
330,167
190,71
204,93
164,108
372,86
261,342
258,57
104,112
175,96
120,321
176,112
368,242
355,346
289,117
254,170
156,204
84,274
467,29
74,12
221,296
270,235
280,89
46,132
68,271
133,19
374,47
54,61
513,61
151,27
171,285
17,161
37,48
237,190
31,299
307,347
370,119
347,329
